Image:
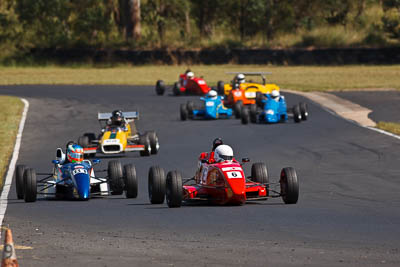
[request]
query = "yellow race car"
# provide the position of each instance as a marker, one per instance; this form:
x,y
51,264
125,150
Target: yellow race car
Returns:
x,y
119,139
246,92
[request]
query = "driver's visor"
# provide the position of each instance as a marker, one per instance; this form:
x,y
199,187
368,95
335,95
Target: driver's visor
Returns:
x,y
226,157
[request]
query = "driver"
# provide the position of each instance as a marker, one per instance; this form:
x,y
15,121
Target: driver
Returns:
x,y
190,75
74,153
223,153
239,79
212,94
275,95
117,120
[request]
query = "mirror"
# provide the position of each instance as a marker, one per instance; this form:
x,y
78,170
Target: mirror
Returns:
x,y
96,161
54,161
59,153
244,160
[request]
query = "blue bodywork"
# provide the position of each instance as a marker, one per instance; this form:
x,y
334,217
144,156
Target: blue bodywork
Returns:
x,y
273,111
213,109
73,180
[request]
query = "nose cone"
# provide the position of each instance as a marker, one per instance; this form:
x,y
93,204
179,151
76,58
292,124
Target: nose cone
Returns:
x,y
83,185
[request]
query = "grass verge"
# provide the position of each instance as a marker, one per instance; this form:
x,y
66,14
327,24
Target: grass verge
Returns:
x,y
304,78
392,127
10,116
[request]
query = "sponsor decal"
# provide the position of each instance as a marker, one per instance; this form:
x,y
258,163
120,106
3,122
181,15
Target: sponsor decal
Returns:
x,y
210,104
238,93
250,94
234,174
231,169
79,171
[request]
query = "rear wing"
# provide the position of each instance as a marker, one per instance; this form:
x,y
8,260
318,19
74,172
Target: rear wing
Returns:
x,y
262,74
129,116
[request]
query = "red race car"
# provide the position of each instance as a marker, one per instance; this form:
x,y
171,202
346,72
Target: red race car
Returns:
x,y
187,84
221,182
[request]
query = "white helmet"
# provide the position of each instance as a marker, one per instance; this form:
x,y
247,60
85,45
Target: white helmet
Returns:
x,y
190,75
223,153
212,94
275,94
240,78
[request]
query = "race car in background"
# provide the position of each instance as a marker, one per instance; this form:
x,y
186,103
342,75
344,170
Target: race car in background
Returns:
x,y
221,183
75,180
238,94
212,108
272,108
187,84
116,140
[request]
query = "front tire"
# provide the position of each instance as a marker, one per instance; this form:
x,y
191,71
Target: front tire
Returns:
x,y
296,114
303,111
253,113
83,141
156,185
145,141
160,87
19,180
154,144
183,112
131,183
174,192
30,185
220,88
245,116
176,90
237,108
289,185
115,177
190,108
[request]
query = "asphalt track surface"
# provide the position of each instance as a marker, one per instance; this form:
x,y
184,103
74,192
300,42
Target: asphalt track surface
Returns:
x,y
348,213
385,105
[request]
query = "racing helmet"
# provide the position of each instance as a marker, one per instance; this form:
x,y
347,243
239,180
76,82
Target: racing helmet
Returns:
x,y
275,94
116,117
240,78
217,142
223,153
74,153
190,75
212,94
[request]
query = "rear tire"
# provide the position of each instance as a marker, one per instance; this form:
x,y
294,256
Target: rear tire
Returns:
x,y
174,192
259,173
156,185
190,108
245,116
30,185
115,177
154,144
296,114
19,180
131,183
253,113
303,111
220,88
183,112
237,108
160,87
144,140
176,90
289,185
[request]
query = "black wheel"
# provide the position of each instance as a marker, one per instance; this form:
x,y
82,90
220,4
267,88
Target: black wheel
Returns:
x,y
174,192
160,87
157,185
144,140
259,174
19,180
289,185
83,141
184,112
153,138
245,116
115,177
220,88
253,113
259,98
303,111
176,90
130,179
237,109
190,108
296,114
30,185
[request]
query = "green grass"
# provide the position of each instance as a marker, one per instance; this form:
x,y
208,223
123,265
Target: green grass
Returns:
x,y
392,127
10,115
304,78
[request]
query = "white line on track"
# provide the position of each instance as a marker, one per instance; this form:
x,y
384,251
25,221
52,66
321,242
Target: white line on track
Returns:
x,y
11,167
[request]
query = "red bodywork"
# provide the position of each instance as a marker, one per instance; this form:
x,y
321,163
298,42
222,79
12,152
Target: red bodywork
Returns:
x,y
195,86
222,183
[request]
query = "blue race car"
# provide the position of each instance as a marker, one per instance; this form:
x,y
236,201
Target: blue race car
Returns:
x,y
75,180
272,108
213,108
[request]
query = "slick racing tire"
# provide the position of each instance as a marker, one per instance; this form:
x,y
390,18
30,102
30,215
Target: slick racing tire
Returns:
x,y
153,138
30,185
91,136
144,140
190,108
83,141
176,90
19,180
130,179
253,113
115,177
289,185
259,174
296,114
245,116
259,98
174,191
220,88
237,108
160,87
183,112
303,111
156,185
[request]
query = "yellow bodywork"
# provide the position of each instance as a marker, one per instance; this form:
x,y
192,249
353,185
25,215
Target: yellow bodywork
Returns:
x,y
253,87
122,135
